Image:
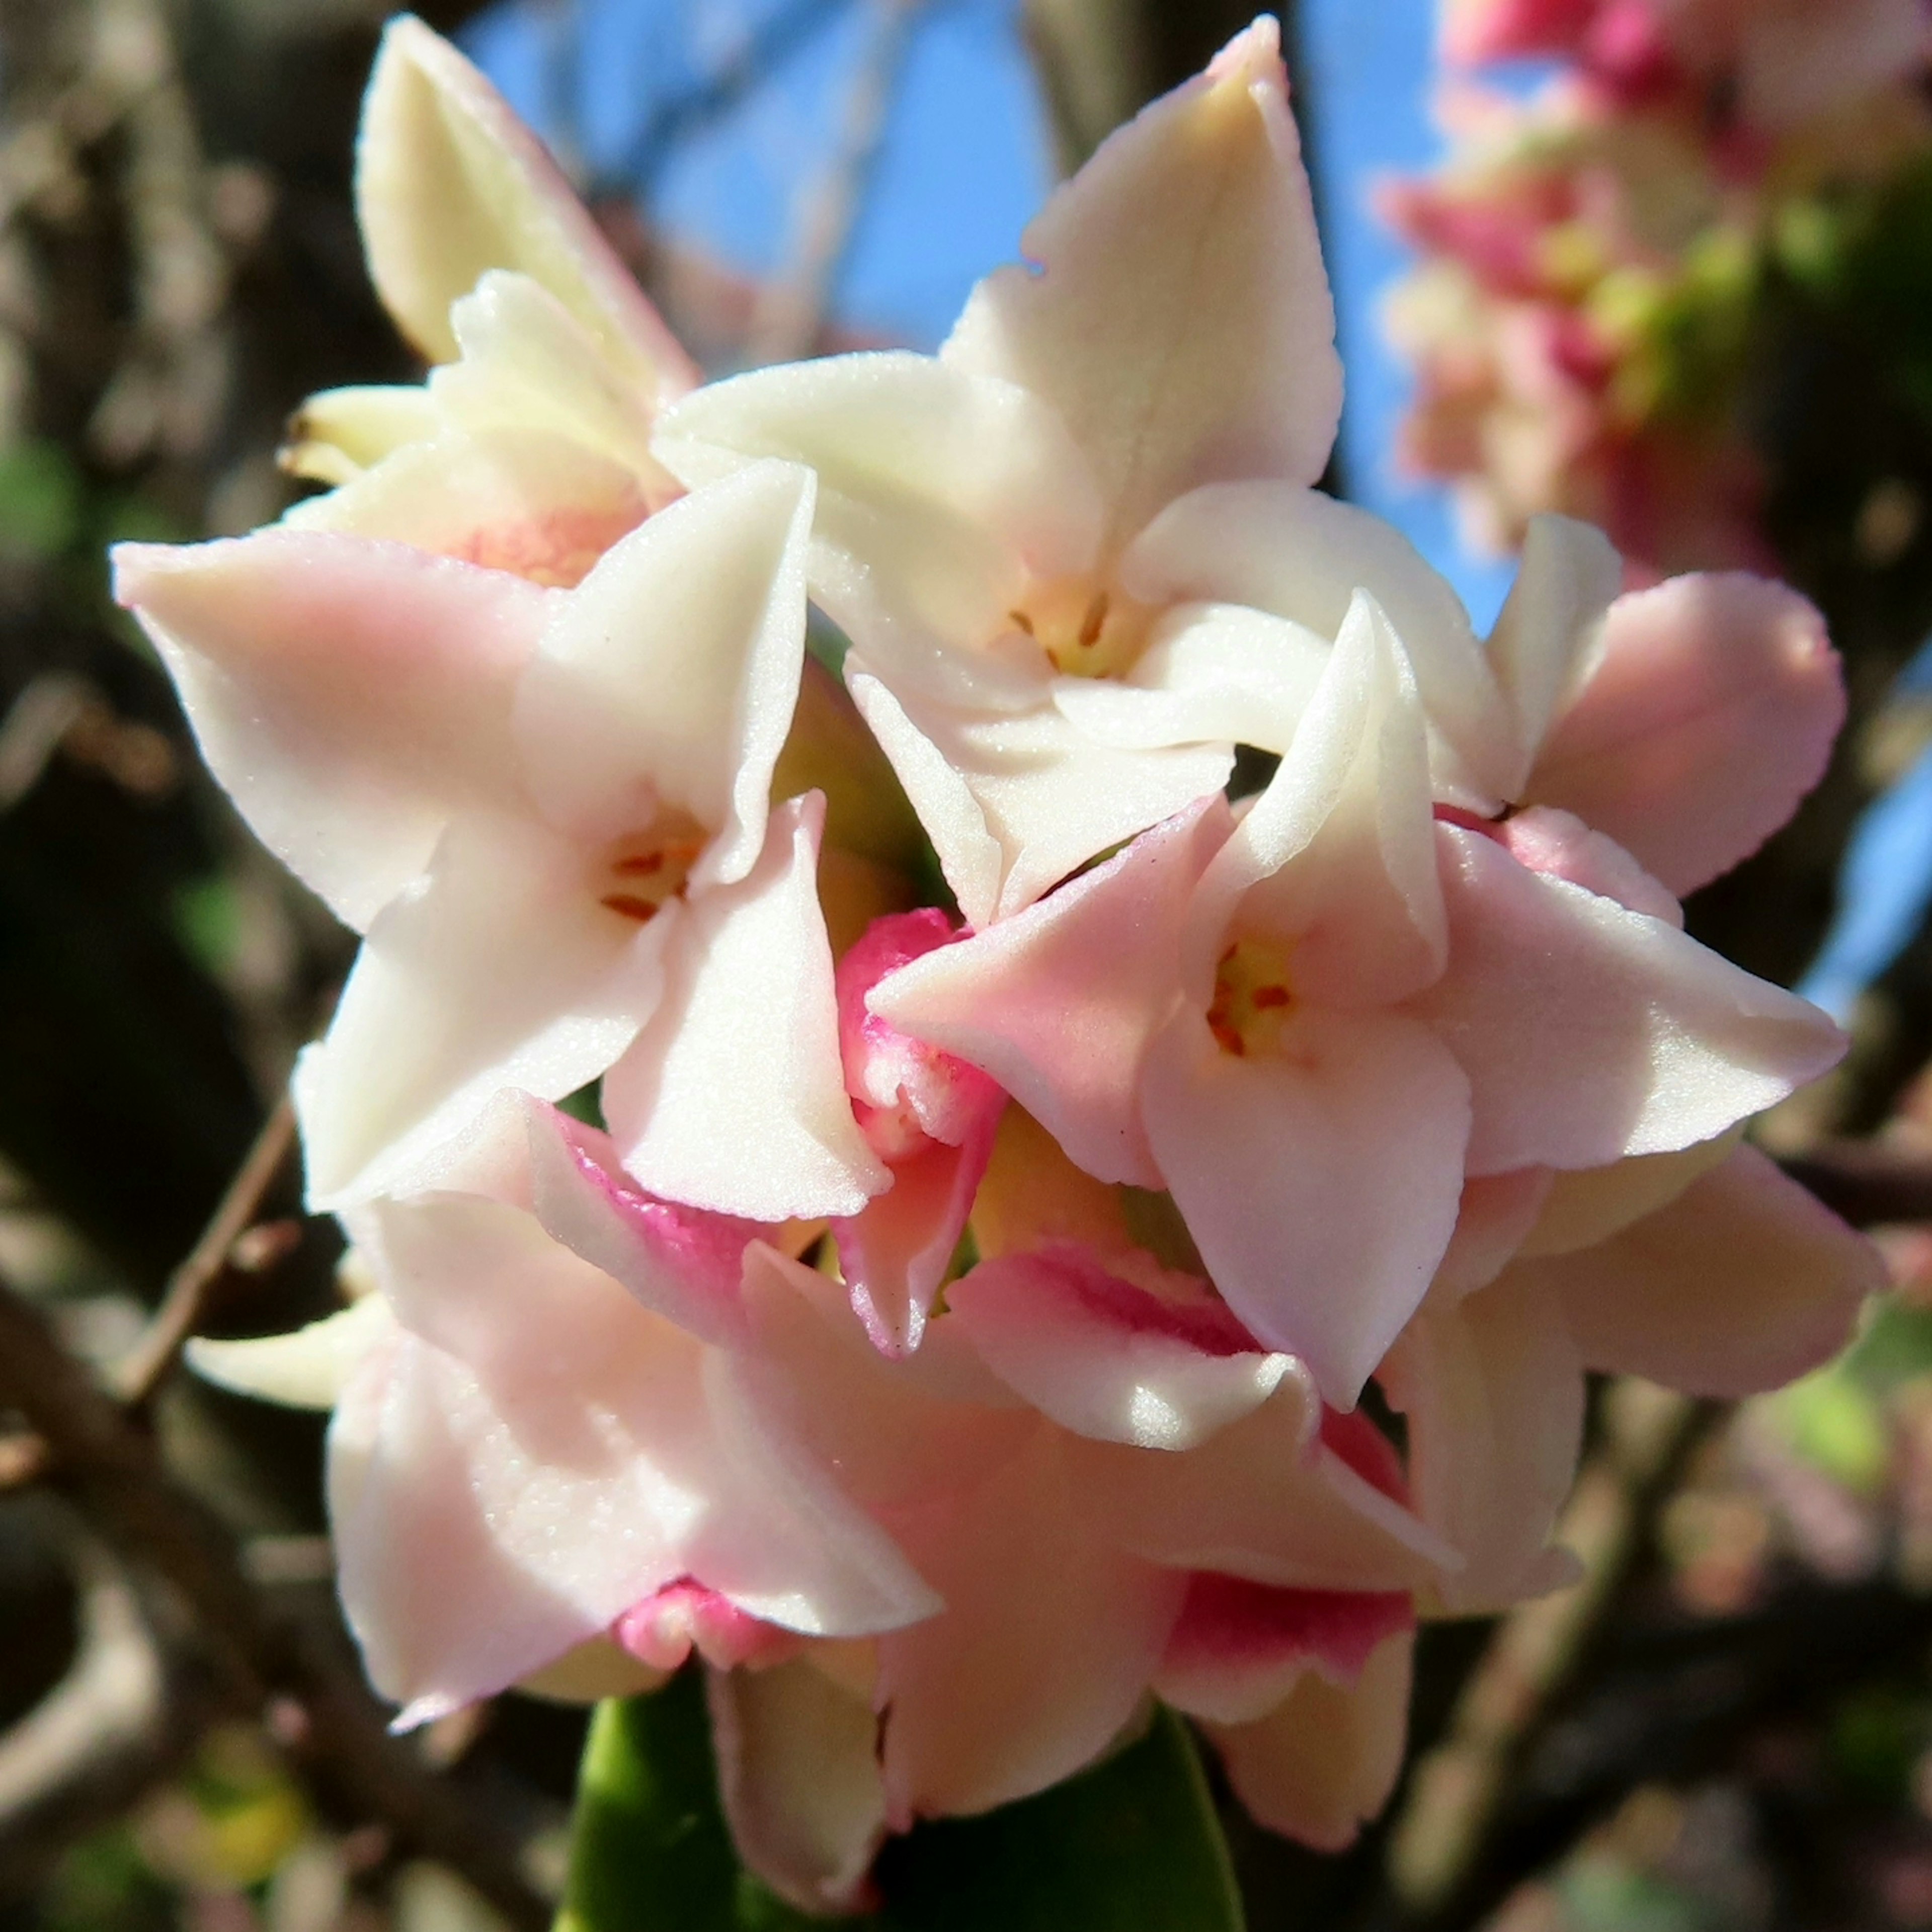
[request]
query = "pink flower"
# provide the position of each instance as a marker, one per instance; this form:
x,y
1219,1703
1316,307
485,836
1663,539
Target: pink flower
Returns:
x,y
929,1118
1312,1023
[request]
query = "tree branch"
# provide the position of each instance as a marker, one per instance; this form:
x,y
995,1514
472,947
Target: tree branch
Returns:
x,y
109,1467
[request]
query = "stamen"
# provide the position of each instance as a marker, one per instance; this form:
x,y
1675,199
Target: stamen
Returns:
x,y
1023,623
1095,621
630,906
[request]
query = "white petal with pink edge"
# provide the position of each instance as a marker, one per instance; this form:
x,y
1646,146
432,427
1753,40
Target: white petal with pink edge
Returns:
x,y
353,696
1589,1032
1710,713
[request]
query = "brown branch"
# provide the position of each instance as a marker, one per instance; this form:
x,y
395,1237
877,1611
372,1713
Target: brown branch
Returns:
x,y
107,1464
192,1285
1871,1184
1443,1860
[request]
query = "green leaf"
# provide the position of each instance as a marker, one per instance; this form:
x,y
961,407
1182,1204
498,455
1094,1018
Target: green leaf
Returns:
x,y
1131,1846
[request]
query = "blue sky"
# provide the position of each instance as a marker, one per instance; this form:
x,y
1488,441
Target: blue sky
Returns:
x,y
964,162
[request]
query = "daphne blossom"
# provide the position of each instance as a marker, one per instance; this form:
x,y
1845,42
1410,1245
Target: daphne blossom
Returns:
x,y
549,811
952,1337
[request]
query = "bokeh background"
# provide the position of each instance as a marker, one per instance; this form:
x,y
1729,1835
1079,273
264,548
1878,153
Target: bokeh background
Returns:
x,y
1562,283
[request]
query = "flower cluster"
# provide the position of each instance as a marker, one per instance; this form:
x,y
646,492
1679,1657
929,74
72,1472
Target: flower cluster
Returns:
x,y
1594,258
955,1326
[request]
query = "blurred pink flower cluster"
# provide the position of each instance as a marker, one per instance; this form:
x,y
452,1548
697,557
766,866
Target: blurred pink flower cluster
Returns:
x,y
954,1329
1592,256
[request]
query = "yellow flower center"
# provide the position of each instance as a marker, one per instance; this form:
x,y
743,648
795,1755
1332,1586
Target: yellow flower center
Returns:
x,y
1086,628
644,870
1254,996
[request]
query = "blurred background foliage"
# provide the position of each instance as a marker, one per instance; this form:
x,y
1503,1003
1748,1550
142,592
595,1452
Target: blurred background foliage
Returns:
x,y
1727,1727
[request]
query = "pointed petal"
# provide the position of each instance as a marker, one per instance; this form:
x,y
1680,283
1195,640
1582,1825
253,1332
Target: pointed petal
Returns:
x,y
1498,1212
1493,1392
1589,1032
527,362
449,183
733,1098
1015,802
941,493
1545,643
1335,860
1742,1283
1710,714
1266,1497
1043,1653
1238,1648
1302,555
1325,1760
672,673
1286,1166
1058,1003
899,1432
680,1262
306,1369
501,969
1173,305
798,1772
338,434
351,696
895,1253
1107,1359
1594,1203
543,1452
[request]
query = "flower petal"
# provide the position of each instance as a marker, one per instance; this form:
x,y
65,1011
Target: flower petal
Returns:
x,y
1212,672
501,969
1710,714
1173,305
1302,555
449,183
523,500
734,1097
1325,1760
1238,1648
541,1452
672,673
682,1263
1541,650
1335,861
1015,802
351,696
798,1770
942,493
1591,1203
1743,1283
1058,1003
1044,1651
894,1253
1266,1498
1107,1359
308,1369
1285,1165
1493,1392
1589,1032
